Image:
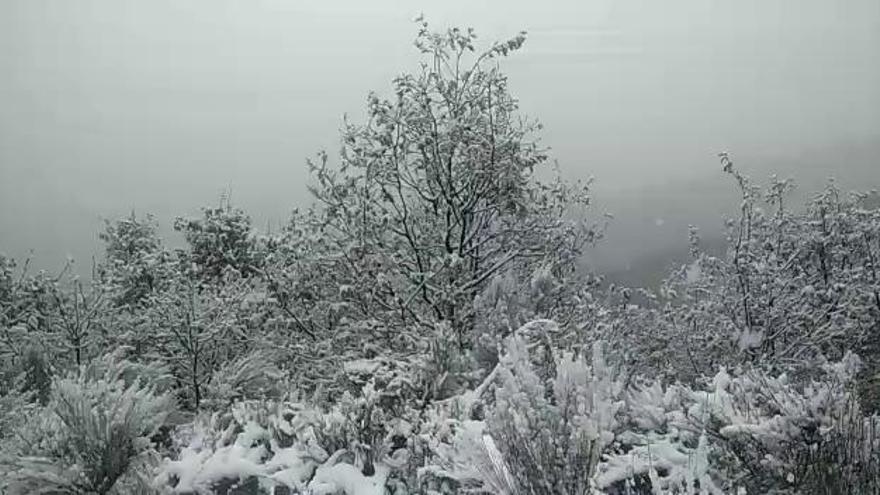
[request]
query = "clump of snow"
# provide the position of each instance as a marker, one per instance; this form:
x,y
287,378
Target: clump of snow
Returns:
x,y
273,447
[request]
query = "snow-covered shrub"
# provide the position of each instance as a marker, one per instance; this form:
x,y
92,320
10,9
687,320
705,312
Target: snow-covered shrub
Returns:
x,y
16,405
26,313
794,284
543,434
750,430
24,388
469,461
845,459
93,436
260,444
392,383
443,370
361,439
252,376
36,374
657,446
197,330
552,432
374,433
512,300
794,436
135,262
219,240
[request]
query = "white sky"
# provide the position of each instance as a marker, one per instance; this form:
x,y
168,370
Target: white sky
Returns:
x,y
160,105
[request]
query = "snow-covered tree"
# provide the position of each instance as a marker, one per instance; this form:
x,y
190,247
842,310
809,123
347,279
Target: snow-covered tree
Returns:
x,y
436,194
197,329
135,264
795,284
26,310
219,240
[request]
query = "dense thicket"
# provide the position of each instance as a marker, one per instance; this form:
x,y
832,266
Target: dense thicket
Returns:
x,y
425,327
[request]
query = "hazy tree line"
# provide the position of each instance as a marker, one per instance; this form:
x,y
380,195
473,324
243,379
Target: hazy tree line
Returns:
x,y
426,327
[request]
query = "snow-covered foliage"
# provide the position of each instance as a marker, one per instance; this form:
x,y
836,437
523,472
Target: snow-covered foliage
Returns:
x,y
747,430
94,436
269,444
135,263
794,285
425,328
252,376
406,231
265,444
219,240
551,430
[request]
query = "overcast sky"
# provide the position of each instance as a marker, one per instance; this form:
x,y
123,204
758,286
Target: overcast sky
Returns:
x,y
161,105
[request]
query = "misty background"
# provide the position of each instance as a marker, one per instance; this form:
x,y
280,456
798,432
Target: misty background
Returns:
x,y
161,106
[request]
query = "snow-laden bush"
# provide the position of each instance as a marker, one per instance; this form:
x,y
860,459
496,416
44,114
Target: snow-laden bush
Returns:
x,y
551,432
252,376
748,430
658,447
253,443
263,445
364,444
373,434
16,405
794,284
795,436
546,430
93,436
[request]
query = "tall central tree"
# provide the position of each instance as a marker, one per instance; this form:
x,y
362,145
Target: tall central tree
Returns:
x,y
433,197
